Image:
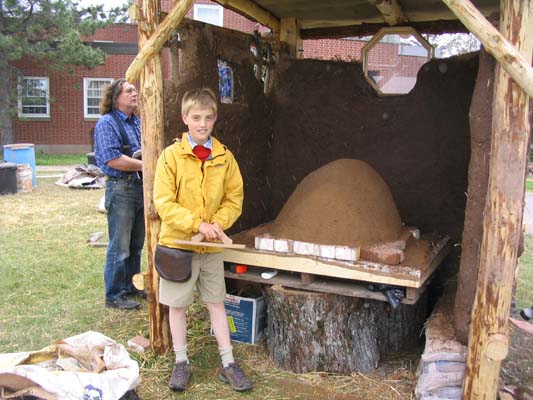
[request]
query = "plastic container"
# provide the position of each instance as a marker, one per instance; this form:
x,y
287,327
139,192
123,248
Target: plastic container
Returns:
x,y
8,178
22,153
91,158
24,178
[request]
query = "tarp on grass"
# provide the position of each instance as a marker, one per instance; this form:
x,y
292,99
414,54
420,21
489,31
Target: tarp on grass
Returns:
x,y
89,366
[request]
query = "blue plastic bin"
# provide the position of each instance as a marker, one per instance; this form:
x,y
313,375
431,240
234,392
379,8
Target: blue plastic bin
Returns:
x,y
22,153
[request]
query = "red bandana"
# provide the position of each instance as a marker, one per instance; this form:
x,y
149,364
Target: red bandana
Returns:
x,y
201,152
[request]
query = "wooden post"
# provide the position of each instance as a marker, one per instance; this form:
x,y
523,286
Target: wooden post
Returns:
x,y
391,11
151,94
290,35
488,339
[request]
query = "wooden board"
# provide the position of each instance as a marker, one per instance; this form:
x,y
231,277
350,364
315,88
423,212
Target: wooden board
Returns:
x,y
210,244
320,284
361,270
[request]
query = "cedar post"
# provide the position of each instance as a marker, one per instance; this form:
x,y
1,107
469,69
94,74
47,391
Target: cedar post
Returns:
x,y
488,340
151,99
290,35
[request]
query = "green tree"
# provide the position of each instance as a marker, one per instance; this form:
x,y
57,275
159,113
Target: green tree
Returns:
x,y
49,31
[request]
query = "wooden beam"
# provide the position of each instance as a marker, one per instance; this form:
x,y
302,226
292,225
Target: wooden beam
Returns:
x,y
391,11
321,284
495,43
151,100
338,32
289,34
502,222
158,39
253,11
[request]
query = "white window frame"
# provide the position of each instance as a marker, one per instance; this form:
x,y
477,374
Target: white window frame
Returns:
x,y
86,83
21,112
197,7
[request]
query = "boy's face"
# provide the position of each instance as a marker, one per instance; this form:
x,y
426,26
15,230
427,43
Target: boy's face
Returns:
x,y
200,121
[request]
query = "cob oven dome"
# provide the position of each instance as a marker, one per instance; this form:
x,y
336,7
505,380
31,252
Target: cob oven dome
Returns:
x,y
345,202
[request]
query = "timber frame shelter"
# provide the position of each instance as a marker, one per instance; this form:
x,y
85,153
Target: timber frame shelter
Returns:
x,y
289,22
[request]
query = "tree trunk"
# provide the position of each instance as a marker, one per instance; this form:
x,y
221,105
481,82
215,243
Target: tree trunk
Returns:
x,y
502,224
310,331
6,106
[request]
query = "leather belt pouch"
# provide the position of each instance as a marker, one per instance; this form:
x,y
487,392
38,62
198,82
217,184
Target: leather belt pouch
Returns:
x,y
173,264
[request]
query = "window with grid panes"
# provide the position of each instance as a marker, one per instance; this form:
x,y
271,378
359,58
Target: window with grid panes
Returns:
x,y
34,97
92,93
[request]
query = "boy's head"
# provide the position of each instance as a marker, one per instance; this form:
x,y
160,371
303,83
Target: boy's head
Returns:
x,y
199,113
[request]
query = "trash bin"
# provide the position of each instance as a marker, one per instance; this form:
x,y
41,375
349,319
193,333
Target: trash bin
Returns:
x,y
91,158
22,153
8,178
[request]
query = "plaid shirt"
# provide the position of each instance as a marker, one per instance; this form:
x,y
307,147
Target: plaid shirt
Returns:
x,y
108,142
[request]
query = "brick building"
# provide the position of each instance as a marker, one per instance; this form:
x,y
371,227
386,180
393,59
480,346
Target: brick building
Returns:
x,y
62,118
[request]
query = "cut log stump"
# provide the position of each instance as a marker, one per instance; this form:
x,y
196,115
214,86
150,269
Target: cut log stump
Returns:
x,y
311,331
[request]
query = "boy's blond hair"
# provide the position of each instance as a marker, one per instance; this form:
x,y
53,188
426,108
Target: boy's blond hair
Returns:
x,y
203,98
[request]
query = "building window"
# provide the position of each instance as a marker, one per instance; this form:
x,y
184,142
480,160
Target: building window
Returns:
x,y
92,93
34,97
412,50
212,14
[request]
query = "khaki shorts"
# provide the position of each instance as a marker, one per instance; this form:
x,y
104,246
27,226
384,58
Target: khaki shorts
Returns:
x,y
208,276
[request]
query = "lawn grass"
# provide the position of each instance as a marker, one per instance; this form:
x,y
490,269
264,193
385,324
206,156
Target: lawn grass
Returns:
x,y
60,159
51,287
524,289
529,184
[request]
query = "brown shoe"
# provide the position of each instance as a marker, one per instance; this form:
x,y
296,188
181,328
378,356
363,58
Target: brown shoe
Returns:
x,y
180,376
234,375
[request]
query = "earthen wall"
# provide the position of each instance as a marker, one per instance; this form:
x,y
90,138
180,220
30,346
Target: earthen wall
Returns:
x,y
419,142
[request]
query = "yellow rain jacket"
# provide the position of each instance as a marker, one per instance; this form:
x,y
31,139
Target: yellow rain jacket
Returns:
x,y
185,195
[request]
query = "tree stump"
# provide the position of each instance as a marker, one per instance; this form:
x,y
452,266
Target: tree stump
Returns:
x,y
311,331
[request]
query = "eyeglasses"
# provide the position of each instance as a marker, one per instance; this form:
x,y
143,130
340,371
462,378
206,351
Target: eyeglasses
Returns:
x,y
130,90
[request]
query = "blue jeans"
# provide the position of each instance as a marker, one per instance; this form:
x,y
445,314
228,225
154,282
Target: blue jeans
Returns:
x,y
125,220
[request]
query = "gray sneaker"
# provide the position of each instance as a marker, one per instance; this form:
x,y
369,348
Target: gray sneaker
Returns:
x,y
234,375
180,376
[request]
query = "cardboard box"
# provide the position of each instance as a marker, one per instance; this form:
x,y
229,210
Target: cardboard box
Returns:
x,y
246,318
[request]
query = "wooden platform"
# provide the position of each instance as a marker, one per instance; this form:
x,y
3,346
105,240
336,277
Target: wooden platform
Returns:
x,y
350,279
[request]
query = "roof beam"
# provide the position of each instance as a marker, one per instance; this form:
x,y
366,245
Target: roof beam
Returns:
x,y
158,39
337,32
253,11
391,11
495,43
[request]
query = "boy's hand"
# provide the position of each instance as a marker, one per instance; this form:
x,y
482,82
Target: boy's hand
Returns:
x,y
210,231
219,230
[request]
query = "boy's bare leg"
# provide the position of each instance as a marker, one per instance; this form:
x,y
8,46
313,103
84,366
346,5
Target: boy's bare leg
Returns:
x,y
219,320
177,319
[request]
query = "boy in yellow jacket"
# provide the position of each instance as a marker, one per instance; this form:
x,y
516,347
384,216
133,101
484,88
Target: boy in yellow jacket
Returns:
x,y
198,188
